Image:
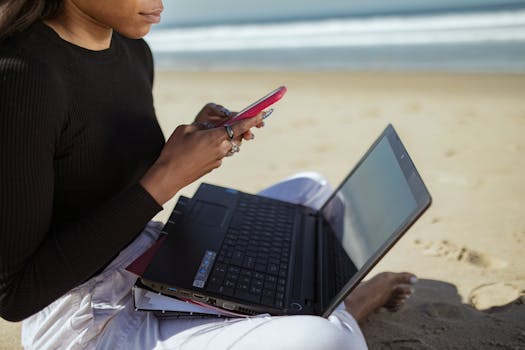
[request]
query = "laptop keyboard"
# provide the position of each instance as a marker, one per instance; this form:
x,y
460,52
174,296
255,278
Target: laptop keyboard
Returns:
x,y
252,264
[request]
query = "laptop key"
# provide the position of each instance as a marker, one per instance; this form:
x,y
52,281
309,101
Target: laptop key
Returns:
x,y
213,287
256,291
215,279
268,293
243,287
270,285
271,279
229,284
248,262
273,269
247,296
237,258
260,268
226,291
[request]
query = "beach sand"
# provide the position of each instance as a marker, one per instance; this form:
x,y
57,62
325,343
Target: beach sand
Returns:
x,y
465,134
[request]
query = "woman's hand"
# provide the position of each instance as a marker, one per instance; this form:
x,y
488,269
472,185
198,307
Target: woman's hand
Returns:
x,y
191,152
213,115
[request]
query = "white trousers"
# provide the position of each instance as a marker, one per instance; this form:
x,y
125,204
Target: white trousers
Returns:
x,y
99,314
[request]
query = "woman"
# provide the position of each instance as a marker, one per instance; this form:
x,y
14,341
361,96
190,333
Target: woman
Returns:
x,y
83,169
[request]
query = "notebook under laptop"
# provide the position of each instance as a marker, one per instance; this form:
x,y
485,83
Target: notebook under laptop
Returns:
x,y
250,254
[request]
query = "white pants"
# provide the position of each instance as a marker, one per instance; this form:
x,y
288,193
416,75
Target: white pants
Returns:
x,y
99,314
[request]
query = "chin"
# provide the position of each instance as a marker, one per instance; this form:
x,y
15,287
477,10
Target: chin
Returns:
x,y
137,32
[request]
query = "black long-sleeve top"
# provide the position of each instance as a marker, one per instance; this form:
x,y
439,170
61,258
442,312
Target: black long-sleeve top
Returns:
x,y
77,132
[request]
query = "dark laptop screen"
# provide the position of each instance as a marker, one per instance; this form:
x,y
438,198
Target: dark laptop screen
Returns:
x,y
374,206
371,205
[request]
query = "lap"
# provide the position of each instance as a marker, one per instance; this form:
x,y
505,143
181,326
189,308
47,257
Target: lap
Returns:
x,y
104,317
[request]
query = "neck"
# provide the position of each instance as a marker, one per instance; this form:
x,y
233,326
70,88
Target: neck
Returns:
x,y
77,27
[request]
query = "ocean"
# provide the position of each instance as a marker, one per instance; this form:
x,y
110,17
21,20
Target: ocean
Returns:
x,y
452,36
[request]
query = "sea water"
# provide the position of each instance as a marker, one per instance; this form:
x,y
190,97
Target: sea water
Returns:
x,y
488,37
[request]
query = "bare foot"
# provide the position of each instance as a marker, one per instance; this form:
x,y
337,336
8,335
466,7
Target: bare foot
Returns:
x,y
386,289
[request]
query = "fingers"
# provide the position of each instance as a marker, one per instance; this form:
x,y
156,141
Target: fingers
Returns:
x,y
226,148
243,126
212,115
219,110
248,135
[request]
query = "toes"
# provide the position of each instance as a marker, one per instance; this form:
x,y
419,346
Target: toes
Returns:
x,y
398,277
398,297
395,304
403,289
405,278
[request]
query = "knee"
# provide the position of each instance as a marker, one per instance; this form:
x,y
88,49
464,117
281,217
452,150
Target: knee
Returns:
x,y
301,332
309,176
312,332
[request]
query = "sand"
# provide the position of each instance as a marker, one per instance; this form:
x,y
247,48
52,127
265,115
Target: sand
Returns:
x,y
465,134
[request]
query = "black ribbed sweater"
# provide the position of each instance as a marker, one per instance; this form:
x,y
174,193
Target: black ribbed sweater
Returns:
x,y
77,132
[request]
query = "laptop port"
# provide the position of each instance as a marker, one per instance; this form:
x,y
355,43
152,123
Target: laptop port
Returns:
x,y
200,297
228,306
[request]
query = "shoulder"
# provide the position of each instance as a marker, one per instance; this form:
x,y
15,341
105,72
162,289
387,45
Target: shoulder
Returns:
x,y
22,73
139,51
32,95
24,62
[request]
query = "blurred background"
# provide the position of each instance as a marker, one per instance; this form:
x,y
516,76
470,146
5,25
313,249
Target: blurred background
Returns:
x,y
431,35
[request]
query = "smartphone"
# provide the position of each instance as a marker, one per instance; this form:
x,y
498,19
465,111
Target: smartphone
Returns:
x,y
259,105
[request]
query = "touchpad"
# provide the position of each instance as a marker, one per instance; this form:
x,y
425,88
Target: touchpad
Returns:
x,y
208,214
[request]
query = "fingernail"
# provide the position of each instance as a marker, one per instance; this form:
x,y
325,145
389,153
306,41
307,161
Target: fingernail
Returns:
x,y
413,280
267,113
226,111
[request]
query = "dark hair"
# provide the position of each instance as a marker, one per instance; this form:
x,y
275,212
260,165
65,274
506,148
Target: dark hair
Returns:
x,y
17,15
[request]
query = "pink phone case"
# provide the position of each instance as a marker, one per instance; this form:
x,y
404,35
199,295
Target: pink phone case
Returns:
x,y
259,105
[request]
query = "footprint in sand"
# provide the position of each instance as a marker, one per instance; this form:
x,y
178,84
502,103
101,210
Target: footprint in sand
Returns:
x,y
435,220
414,108
371,113
519,235
494,294
450,251
406,344
450,152
442,310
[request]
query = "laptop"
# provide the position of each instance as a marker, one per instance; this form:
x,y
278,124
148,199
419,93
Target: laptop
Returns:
x,y
250,254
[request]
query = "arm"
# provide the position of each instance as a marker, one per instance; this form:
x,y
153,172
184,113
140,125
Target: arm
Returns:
x,y
39,263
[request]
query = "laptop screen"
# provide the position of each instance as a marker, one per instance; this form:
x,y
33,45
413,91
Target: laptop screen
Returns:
x,y
370,208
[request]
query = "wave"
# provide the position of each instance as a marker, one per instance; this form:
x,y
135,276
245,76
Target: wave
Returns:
x,y
473,28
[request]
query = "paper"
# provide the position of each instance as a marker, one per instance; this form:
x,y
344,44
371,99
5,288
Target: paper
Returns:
x,y
147,300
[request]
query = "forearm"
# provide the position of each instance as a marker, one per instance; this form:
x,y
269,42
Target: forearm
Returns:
x,y
159,185
68,257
